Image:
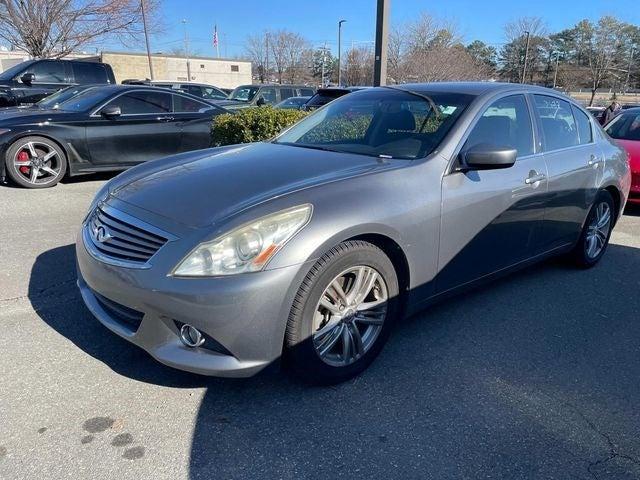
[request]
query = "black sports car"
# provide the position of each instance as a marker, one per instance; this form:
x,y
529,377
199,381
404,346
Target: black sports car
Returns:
x,y
100,128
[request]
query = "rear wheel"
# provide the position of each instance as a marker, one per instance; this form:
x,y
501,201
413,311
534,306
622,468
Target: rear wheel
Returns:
x,y
343,313
597,230
35,162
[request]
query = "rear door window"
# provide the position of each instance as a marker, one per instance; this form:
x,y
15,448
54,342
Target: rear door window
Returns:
x,y
556,119
585,135
188,105
286,93
86,73
505,123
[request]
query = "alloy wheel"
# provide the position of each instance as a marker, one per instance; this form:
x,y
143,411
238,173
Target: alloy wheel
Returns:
x,y
37,163
598,230
349,315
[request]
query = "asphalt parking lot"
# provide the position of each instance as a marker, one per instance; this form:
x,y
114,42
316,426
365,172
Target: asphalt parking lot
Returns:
x,y
535,376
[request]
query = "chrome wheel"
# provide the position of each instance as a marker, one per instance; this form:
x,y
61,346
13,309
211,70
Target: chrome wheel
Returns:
x,y
598,230
349,315
37,163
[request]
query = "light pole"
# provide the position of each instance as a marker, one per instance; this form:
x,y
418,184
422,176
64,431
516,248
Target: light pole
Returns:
x,y
146,38
555,75
340,52
186,49
382,35
626,83
526,57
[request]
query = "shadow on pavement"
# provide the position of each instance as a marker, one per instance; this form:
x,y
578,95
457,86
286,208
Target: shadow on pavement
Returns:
x,y
533,376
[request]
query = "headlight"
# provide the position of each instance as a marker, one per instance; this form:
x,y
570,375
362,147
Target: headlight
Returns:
x,y
245,249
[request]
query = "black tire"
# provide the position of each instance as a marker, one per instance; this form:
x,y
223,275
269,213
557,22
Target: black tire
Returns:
x,y
580,254
42,146
300,353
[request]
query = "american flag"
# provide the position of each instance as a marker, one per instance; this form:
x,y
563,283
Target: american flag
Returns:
x,y
215,36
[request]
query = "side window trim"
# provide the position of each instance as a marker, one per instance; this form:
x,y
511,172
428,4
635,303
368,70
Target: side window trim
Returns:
x,y
96,112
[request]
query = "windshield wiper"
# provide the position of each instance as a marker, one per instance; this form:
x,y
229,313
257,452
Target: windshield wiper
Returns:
x,y
308,145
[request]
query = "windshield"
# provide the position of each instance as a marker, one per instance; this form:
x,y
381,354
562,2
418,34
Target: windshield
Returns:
x,y
54,101
15,70
625,127
244,93
85,100
386,123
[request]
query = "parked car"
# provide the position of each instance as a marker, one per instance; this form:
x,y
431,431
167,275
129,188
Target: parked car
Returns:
x,y
264,94
310,247
201,90
625,129
100,128
31,81
326,95
293,103
597,112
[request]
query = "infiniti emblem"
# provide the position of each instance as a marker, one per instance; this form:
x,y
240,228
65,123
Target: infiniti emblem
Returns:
x,y
102,234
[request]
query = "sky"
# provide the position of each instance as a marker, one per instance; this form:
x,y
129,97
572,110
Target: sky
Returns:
x,y
317,20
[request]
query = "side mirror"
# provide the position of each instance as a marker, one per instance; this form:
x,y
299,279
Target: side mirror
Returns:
x,y
28,78
111,111
261,101
488,157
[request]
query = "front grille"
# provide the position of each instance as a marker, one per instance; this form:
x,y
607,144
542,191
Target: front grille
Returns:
x,y
120,239
129,317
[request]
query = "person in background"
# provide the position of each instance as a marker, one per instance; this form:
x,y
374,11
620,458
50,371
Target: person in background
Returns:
x,y
611,111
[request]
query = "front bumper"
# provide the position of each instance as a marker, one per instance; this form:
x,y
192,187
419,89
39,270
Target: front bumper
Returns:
x,y
245,314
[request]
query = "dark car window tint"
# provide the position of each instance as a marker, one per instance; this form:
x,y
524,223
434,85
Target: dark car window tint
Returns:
x,y
322,98
136,103
558,124
213,93
584,126
269,95
48,72
379,123
193,90
306,92
506,123
286,93
625,127
185,104
89,73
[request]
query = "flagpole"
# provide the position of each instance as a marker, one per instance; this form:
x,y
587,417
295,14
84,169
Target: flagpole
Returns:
x,y
216,41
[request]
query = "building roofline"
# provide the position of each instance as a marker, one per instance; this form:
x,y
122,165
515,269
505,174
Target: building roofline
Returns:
x,y
169,55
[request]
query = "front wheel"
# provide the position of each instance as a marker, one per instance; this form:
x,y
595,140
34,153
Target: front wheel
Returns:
x,y
595,235
342,314
35,162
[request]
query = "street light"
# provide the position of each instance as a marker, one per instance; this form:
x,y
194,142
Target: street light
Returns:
x,y
186,49
340,52
146,38
526,58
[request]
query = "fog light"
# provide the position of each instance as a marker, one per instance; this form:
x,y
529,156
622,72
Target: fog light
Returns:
x,y
191,336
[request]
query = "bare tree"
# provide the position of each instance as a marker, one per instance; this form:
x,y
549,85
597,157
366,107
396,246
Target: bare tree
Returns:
x,y
358,69
55,28
257,50
288,49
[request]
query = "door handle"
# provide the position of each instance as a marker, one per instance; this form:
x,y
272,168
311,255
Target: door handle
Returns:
x,y
594,161
165,119
535,178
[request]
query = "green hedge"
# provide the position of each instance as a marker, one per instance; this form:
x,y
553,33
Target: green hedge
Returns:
x,y
252,124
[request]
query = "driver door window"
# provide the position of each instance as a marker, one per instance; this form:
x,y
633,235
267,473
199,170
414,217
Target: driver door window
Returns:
x,y
269,95
506,123
141,103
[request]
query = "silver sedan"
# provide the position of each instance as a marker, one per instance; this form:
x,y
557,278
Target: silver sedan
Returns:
x,y
311,246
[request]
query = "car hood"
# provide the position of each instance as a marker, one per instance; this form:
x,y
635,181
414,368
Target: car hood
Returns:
x,y
200,188
12,115
633,149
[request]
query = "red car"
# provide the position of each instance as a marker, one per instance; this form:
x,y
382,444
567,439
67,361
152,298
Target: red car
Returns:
x,y
625,128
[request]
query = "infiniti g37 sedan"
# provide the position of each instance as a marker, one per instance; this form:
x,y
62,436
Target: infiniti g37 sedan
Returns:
x,y
87,129
311,246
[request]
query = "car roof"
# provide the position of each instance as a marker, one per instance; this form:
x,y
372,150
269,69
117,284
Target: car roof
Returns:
x,y
476,88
